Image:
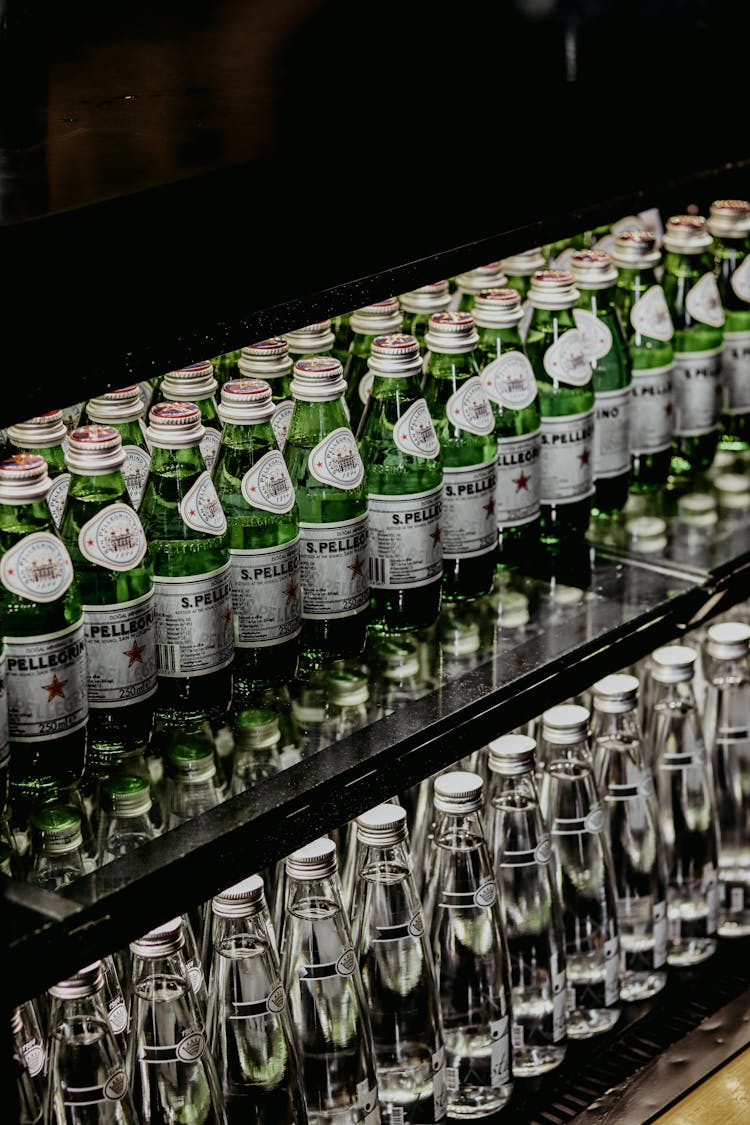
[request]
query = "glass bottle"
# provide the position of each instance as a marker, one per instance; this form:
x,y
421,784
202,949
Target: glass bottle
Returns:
x,y
329,481
270,360
634,831
511,388
383,318
564,734
556,349
695,307
398,443
124,821
46,435
520,268
398,972
57,847
225,365
123,410
321,976
190,766
187,535
257,496
649,331
598,321
257,747
470,952
196,384
729,224
29,1057
471,282
465,426
313,339
685,792
525,869
418,305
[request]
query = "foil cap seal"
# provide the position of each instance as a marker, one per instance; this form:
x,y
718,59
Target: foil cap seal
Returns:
x,y
57,829
318,378
86,982
241,900
451,331
175,425
428,298
489,276
395,354
524,264
673,664
593,269
312,339
729,218
23,477
192,383
245,401
94,450
458,792
512,755
728,640
497,308
565,724
316,860
162,941
378,319
266,359
686,234
634,248
123,405
552,289
383,826
126,795
39,432
616,694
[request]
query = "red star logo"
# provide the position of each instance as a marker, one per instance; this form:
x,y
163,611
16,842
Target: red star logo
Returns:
x,y
55,689
135,654
253,488
436,535
403,437
11,570
356,567
291,591
489,507
521,482
90,542
319,464
227,616
191,512
584,457
668,408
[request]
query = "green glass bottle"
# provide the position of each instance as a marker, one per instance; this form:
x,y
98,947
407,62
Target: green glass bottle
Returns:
x,y
557,353
559,253
471,282
123,410
520,268
649,331
226,366
382,318
465,426
695,307
313,339
196,383
254,489
343,334
270,361
107,544
47,435
187,535
594,275
418,305
729,223
509,384
399,445
43,635
329,481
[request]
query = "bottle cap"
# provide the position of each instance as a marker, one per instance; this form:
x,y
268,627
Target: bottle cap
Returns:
x,y
246,401
497,308
398,658
175,425
428,298
634,248
697,509
396,354
94,451
190,384
615,694
23,477
312,339
593,269
39,432
512,754
161,941
647,533
459,638
123,405
458,792
729,218
57,828
451,331
242,900
347,689
552,289
524,264
86,982
728,640
315,861
732,490
673,664
686,234
565,724
512,609
318,378
379,319
126,795
191,762
267,359
382,827
258,729
490,276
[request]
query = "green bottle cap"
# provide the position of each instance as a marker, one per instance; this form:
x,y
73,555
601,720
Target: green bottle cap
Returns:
x,y
377,319
593,269
451,331
266,359
347,689
175,425
122,405
39,432
428,298
490,276
190,384
191,761
318,378
94,450
552,289
524,264
23,477
126,795
633,248
687,234
312,339
246,401
497,308
396,354
729,218
58,829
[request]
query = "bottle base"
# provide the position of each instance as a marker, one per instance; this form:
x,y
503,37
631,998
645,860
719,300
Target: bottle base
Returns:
x,y
584,1023
533,1061
642,986
478,1102
692,951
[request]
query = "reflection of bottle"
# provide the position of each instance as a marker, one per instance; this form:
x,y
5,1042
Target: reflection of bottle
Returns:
x,y
729,223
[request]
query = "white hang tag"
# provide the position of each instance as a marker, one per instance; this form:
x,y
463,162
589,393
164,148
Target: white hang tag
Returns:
x,y
38,567
566,359
414,432
651,220
597,336
113,538
364,390
268,485
606,243
629,222
509,380
469,409
280,420
335,460
201,508
650,315
703,302
564,258
741,280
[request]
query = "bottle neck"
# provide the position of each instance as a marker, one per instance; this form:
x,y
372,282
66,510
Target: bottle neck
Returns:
x,y
186,461
17,520
251,438
102,489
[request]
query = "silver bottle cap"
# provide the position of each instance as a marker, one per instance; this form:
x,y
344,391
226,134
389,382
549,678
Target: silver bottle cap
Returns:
x,y
312,339
245,401
524,264
728,640
697,509
428,298
458,792
161,941
616,694
397,354
316,860
565,724
58,829
23,477
94,450
552,289
512,754
266,359
347,689
175,425
39,432
732,490
497,308
383,826
673,664
126,795
190,763
190,384
86,982
242,900
686,234
451,331
123,405
647,533
729,218
633,248
489,276
378,319
593,269
318,378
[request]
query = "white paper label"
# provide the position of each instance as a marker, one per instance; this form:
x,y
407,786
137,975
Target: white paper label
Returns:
x,y
650,219
629,222
405,539
703,302
611,971
711,890
735,371
121,651
659,922
334,568
193,623
469,409
612,433
38,567
113,1090
652,410
268,485
57,495
47,694
209,446
563,260
33,1056
741,280
439,1099
606,243
567,458
280,420
650,315
113,538
519,479
414,432
697,390
135,471
565,361
335,460
469,526
117,1015
500,1051
266,594
597,336
509,380
559,1000
367,1095
452,1081
364,387
201,508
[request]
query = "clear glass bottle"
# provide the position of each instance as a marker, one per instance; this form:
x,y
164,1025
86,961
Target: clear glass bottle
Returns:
x,y
46,435
190,766
123,410
57,847
564,734
29,1057
196,384
471,282
124,821
382,318
257,755
729,224
418,305
270,360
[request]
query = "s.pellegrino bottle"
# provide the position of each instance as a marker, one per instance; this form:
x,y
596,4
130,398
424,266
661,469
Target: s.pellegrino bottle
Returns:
x,y
321,976
383,318
398,443
326,469
257,496
418,305
398,972
314,339
187,535
46,435
29,1057
465,425
123,410
197,384
471,282
270,361
649,331
695,307
520,268
729,223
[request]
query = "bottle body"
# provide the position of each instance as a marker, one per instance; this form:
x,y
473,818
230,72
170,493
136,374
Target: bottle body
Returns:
x,y
732,273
